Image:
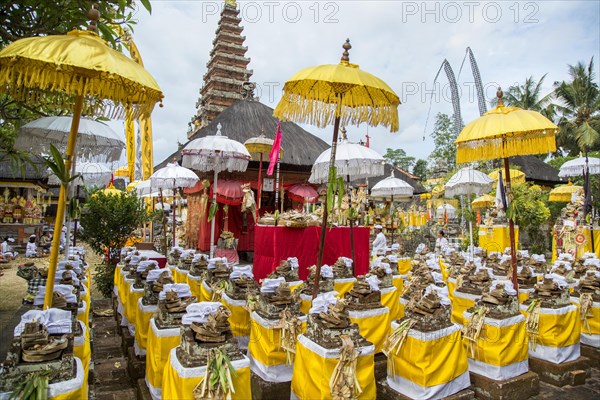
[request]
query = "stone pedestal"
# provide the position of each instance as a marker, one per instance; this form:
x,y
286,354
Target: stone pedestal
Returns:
x,y
593,353
136,366
384,391
262,389
521,387
567,373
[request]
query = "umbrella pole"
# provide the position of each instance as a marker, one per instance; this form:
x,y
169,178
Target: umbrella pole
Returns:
x,y
351,223
391,217
164,220
68,216
588,187
472,250
511,230
259,192
76,220
212,222
336,128
60,211
174,219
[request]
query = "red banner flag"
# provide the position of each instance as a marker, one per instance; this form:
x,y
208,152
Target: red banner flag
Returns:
x,y
274,154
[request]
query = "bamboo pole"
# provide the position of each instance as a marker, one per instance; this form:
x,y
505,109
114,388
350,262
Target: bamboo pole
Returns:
x,y
60,210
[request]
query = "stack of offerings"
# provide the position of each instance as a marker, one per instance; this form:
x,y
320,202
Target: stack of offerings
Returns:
x,y
363,303
325,286
276,323
587,297
343,278
553,330
65,297
469,289
495,339
180,273
241,285
125,258
451,265
426,358
173,256
288,269
390,295
562,271
155,281
332,359
74,272
197,273
421,278
526,281
207,364
217,279
163,333
136,292
43,344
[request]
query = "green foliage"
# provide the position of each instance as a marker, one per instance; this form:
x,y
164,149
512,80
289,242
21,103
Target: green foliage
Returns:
x,y
107,222
420,169
33,387
57,164
528,209
444,135
399,158
579,109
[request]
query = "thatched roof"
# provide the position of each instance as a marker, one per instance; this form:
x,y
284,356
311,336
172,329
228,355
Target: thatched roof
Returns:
x,y
536,170
10,171
398,173
247,118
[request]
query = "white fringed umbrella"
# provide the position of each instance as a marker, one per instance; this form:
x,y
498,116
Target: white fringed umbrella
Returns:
x,y
468,181
392,186
94,140
173,176
352,160
576,167
215,153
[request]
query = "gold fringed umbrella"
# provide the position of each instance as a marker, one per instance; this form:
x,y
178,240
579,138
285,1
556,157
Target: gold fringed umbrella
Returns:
x,y
501,133
334,94
516,176
76,71
483,202
563,193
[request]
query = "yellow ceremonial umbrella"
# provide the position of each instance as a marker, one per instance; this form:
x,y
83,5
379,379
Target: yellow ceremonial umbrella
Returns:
x,y
484,201
111,190
501,133
516,176
132,186
76,71
563,193
438,191
122,172
334,94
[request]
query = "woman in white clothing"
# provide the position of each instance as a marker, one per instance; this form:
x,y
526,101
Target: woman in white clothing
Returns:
x,y
31,249
380,243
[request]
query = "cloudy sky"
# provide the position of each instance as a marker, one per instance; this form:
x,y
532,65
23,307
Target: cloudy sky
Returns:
x,y
403,43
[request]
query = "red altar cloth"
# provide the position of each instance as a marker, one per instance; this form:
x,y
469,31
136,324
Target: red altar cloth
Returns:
x,y
156,256
273,244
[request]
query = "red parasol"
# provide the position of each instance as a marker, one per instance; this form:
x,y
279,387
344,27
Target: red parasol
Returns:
x,y
303,193
229,192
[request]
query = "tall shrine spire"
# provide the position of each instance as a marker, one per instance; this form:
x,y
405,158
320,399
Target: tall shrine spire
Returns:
x,y
227,76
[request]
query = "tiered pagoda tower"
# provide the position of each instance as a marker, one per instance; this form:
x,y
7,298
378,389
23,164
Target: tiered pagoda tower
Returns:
x,y
227,77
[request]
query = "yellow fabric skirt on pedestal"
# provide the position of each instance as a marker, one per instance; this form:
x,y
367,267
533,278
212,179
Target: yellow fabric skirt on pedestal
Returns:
x,y
451,284
590,326
132,304
180,275
390,298
314,366
160,343
343,286
429,364
461,302
239,319
179,382
295,285
142,324
404,266
559,332
402,303
195,283
496,238
524,294
83,351
501,350
267,357
83,313
374,325
398,282
205,292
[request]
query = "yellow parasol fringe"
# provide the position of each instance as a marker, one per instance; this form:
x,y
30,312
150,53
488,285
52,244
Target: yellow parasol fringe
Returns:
x,y
536,142
319,107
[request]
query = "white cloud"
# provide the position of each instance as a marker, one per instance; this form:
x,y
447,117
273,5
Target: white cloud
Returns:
x,y
396,41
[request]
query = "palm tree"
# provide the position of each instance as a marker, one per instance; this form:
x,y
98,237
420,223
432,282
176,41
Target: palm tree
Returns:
x,y
579,122
527,95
